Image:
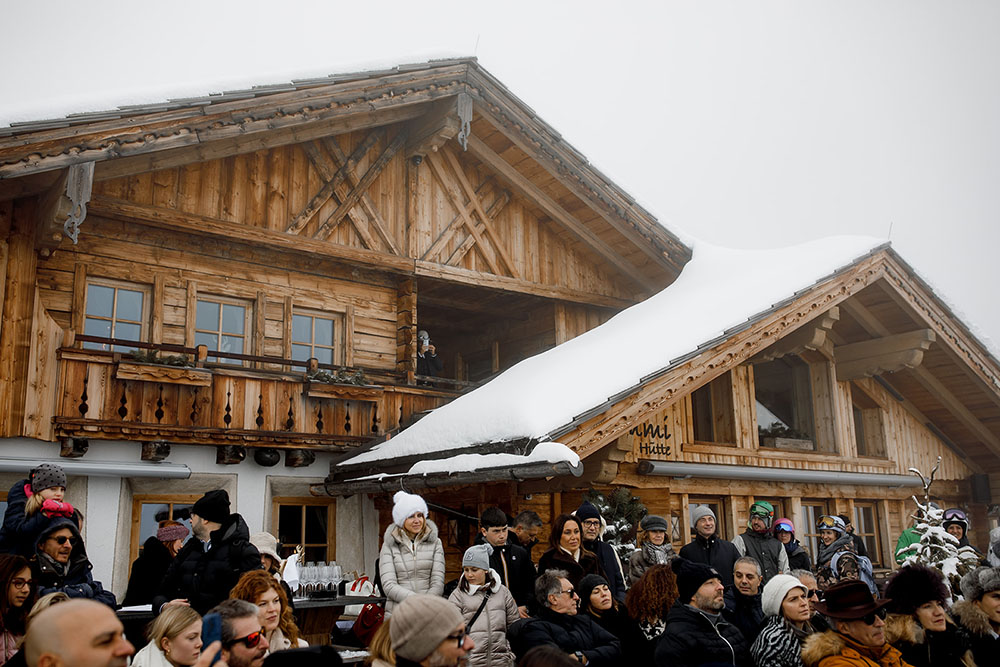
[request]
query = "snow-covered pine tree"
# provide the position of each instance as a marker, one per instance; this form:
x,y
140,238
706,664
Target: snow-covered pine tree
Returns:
x,y
937,547
622,512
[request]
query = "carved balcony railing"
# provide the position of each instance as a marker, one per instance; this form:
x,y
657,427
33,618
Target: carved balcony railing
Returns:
x,y
269,402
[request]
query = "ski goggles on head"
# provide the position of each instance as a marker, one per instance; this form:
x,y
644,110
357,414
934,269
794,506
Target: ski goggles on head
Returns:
x,y
783,525
756,510
955,514
829,523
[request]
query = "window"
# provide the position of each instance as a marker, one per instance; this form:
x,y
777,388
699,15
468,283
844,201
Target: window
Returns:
x,y
808,535
869,431
148,511
306,521
115,310
784,404
712,411
866,527
317,335
221,324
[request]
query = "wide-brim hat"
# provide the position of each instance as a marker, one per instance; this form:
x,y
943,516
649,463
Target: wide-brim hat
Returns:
x,y
849,600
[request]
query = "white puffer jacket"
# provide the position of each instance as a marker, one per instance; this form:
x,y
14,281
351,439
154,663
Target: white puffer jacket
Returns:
x,y
489,632
150,656
411,566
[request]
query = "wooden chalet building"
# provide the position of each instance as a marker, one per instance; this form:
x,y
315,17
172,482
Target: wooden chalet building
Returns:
x,y
812,377
282,245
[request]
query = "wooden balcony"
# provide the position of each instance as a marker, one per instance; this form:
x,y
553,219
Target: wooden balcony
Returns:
x,y
266,402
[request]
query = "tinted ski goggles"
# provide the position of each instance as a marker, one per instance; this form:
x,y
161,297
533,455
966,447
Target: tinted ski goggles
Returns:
x,y
785,526
955,515
829,523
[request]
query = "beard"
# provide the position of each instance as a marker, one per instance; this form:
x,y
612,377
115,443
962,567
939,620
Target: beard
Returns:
x,y
707,603
438,659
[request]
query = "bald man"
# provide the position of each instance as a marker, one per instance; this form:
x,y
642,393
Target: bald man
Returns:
x,y
77,633
84,633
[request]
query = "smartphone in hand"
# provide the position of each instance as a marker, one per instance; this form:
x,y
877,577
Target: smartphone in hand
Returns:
x,y
211,631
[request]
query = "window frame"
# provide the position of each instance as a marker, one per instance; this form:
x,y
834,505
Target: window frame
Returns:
x,y
718,390
140,499
871,413
809,535
248,330
875,536
303,501
147,307
808,401
339,321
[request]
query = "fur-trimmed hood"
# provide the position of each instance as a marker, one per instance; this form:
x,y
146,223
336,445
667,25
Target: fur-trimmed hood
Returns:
x,y
905,628
972,618
822,645
904,631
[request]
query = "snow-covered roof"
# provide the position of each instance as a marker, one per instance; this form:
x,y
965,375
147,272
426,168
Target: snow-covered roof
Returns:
x,y
719,289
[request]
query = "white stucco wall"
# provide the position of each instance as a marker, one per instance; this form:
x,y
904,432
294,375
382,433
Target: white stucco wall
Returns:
x,y
107,501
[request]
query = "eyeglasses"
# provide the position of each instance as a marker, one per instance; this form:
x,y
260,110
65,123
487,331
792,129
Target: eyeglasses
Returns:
x,y
955,515
592,523
63,539
250,641
21,583
870,618
459,637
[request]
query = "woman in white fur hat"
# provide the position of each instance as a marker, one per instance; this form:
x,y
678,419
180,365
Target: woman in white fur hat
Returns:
x,y
786,604
412,558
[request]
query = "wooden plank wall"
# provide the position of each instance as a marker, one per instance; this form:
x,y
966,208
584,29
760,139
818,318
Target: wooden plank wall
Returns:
x,y
269,188
143,255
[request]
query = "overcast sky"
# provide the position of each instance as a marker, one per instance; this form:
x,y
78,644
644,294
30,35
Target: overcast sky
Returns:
x,y
748,124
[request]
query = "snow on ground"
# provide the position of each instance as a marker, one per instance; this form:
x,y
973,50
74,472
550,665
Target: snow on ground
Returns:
x,y
718,289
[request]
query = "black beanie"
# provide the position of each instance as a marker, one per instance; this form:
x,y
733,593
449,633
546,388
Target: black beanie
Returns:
x,y
690,576
586,587
914,585
213,506
587,511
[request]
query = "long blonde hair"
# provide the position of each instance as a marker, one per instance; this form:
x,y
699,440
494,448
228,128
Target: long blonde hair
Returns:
x,y
33,504
381,646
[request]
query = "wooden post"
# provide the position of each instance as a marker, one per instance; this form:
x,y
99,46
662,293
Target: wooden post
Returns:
x,y
556,500
18,309
406,328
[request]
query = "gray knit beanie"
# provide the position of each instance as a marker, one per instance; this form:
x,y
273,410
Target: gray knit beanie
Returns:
x,y
478,555
979,582
47,476
420,623
701,511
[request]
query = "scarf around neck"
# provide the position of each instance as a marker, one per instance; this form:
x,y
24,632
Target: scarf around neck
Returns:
x,y
657,554
825,553
575,555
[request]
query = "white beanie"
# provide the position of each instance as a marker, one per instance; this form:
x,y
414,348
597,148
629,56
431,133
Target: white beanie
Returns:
x,y
406,505
775,591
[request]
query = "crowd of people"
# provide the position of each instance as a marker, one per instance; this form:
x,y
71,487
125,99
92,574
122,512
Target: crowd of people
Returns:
x,y
759,600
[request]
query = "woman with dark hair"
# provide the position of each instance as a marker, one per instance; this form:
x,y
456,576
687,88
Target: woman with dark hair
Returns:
x,y
567,552
18,594
597,601
918,623
158,552
648,603
785,602
262,589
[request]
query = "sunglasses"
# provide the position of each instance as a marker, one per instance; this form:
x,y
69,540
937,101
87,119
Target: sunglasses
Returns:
x,y
63,539
570,592
459,637
817,592
21,583
870,618
250,641
955,515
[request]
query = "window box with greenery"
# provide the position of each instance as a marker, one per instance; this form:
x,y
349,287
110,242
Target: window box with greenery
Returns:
x,y
341,383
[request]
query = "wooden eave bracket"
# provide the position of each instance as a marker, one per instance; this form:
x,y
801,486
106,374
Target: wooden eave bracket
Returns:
x,y
446,119
887,354
812,337
64,207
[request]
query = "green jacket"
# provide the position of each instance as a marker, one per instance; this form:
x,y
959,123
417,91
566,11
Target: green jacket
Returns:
x,y
906,538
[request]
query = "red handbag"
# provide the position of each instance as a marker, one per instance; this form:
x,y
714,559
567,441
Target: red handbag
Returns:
x,y
368,621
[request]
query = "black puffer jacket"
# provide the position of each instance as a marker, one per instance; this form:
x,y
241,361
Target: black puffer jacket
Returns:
x,y
976,627
148,571
518,575
715,551
557,559
205,578
922,648
569,633
745,612
692,639
798,557
73,579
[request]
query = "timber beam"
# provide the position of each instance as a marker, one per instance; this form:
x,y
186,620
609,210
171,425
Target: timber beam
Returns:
x,y
434,129
812,337
878,356
64,207
551,208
